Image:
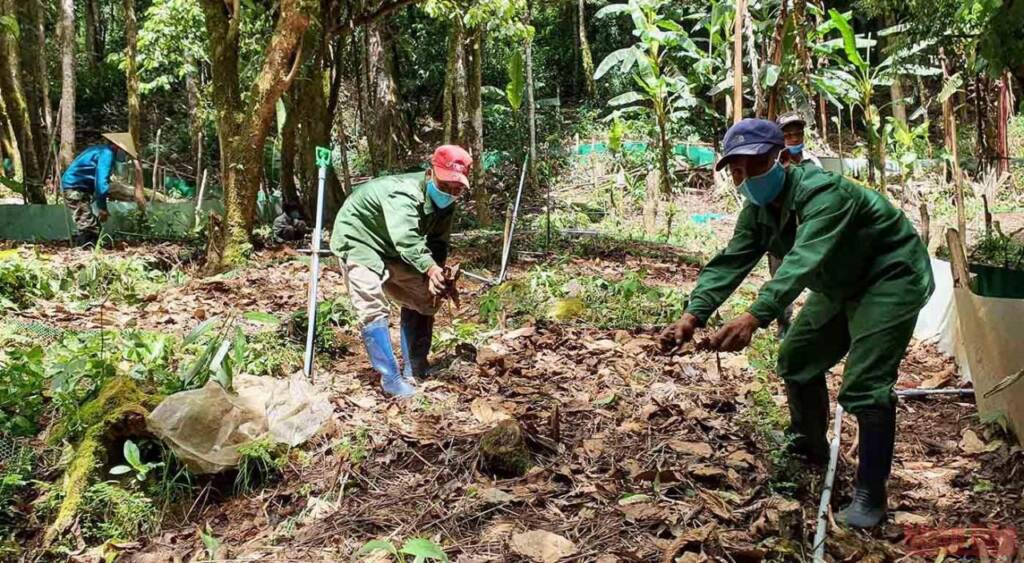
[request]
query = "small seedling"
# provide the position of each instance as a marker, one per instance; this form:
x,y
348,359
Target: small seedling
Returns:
x,y
421,549
134,461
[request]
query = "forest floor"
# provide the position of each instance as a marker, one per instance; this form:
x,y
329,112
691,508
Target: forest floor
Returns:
x,y
634,455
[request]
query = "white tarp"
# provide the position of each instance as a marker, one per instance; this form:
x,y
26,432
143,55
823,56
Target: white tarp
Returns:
x,y
206,426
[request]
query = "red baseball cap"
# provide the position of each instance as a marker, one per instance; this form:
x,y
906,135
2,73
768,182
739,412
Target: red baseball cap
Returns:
x,y
451,163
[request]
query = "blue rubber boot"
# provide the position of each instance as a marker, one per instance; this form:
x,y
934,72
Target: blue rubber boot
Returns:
x,y
382,357
417,332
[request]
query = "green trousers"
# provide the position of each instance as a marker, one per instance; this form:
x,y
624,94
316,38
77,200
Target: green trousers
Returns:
x,y
874,332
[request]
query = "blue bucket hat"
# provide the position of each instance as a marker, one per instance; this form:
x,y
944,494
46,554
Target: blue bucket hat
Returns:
x,y
751,137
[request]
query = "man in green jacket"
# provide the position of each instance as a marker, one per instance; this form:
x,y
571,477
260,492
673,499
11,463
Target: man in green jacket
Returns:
x,y
868,273
392,235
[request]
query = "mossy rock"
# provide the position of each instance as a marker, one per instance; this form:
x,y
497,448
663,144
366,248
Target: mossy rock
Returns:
x,y
503,450
118,412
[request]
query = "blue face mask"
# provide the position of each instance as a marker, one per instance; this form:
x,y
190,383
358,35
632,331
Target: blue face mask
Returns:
x,y
795,149
762,190
440,199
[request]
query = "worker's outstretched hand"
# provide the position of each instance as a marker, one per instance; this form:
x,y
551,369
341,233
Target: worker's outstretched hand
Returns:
x,y
678,333
736,334
104,215
435,280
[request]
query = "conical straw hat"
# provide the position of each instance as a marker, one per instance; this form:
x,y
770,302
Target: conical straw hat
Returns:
x,y
123,140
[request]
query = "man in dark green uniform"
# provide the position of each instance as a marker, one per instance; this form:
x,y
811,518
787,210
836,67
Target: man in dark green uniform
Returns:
x,y
392,235
868,273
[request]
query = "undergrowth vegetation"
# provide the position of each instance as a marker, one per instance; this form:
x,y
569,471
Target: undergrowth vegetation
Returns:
x,y
553,294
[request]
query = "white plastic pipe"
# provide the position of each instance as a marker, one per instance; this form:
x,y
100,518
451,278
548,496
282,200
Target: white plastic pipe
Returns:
x,y
314,275
826,492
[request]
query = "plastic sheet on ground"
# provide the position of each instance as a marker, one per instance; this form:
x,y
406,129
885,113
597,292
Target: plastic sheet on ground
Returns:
x,y
206,426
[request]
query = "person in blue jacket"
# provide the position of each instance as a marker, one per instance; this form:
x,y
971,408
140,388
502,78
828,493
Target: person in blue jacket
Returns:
x,y
87,179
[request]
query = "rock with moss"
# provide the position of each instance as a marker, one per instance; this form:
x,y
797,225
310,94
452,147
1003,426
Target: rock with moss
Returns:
x,y
117,412
503,450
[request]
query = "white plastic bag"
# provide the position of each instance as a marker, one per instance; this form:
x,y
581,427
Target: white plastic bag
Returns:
x,y
204,427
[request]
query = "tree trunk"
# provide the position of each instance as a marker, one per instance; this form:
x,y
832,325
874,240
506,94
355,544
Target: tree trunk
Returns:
x,y
9,143
531,115
131,32
92,34
899,109
242,127
737,61
586,57
18,111
34,76
475,136
755,66
776,59
67,89
195,123
800,22
455,86
1004,113
388,133
289,194
665,178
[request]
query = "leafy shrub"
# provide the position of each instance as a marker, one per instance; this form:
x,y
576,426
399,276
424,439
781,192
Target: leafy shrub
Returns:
x,y
21,392
111,512
331,314
24,280
127,279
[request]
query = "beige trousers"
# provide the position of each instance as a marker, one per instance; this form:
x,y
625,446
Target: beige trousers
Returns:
x,y
401,282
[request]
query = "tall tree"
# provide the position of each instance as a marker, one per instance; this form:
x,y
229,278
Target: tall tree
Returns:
x,y
531,106
388,133
586,57
93,35
243,124
9,143
131,38
17,108
454,96
475,138
67,88
35,75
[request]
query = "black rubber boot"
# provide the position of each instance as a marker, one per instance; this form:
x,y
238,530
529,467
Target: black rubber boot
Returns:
x,y
877,438
808,415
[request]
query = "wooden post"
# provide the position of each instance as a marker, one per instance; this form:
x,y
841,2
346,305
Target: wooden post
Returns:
x,y
737,62
926,224
958,259
1004,116
949,123
156,161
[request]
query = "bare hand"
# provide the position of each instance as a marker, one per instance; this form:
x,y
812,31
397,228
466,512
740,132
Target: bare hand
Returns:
x,y
736,334
104,215
678,333
436,281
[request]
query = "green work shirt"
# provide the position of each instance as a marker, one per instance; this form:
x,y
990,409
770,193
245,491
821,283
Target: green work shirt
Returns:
x,y
835,237
392,218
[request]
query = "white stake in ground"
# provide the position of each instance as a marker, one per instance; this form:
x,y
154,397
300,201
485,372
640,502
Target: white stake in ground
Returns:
x,y
323,160
826,492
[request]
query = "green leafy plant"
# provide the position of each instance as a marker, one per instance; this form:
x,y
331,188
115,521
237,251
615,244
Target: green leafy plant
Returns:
x,y
134,463
24,279
21,394
260,462
421,549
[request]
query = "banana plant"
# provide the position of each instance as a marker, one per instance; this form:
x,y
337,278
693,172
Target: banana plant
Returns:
x,y
662,91
854,80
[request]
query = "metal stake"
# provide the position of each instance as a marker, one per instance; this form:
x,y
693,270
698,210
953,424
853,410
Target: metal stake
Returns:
x,y
826,492
323,159
512,225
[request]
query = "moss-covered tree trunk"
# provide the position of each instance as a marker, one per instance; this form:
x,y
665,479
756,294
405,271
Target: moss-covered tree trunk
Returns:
x,y
9,143
475,136
67,87
35,75
131,33
18,111
388,133
243,126
586,57
289,193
